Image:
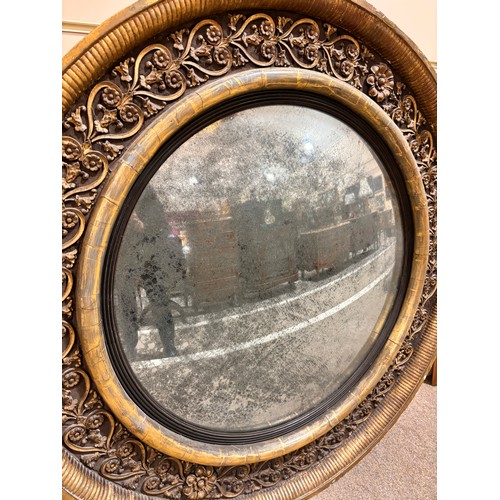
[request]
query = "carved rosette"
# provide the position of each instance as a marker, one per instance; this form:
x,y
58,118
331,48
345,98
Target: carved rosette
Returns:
x,y
96,131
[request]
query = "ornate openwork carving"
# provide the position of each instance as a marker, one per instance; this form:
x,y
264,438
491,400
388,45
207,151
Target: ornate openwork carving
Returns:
x,y
96,131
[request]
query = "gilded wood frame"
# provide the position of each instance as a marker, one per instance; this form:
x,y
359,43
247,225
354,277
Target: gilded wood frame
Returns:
x,y
101,413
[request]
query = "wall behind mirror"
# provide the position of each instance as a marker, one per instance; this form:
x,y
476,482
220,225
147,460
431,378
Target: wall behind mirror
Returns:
x,y
141,362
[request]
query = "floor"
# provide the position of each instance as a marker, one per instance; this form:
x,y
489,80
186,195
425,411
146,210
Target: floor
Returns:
x,y
403,465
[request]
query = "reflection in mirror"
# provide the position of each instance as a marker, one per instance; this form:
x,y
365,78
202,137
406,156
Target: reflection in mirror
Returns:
x,y
258,268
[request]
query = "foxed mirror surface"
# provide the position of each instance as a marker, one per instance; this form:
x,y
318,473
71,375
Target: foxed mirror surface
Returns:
x,y
258,268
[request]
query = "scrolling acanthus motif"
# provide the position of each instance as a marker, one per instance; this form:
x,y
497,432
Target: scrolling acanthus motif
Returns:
x,y
95,134
119,457
161,73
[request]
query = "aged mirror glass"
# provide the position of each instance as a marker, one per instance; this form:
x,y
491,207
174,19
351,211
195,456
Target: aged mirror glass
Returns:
x,y
258,268
249,263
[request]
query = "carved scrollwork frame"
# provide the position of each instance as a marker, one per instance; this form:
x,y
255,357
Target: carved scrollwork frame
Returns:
x,y
124,90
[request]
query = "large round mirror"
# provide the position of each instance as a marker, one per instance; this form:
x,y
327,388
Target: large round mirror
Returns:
x,y
249,246
258,271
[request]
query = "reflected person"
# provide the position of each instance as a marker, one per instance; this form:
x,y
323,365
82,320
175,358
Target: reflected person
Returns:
x,y
153,260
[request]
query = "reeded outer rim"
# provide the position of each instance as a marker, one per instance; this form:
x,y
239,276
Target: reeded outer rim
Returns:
x,y
104,216
93,55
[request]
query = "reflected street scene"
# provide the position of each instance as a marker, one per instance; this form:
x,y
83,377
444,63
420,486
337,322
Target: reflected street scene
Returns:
x,y
258,268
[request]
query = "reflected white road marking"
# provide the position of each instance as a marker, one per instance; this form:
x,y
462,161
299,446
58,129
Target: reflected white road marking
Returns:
x,y
267,338
339,277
